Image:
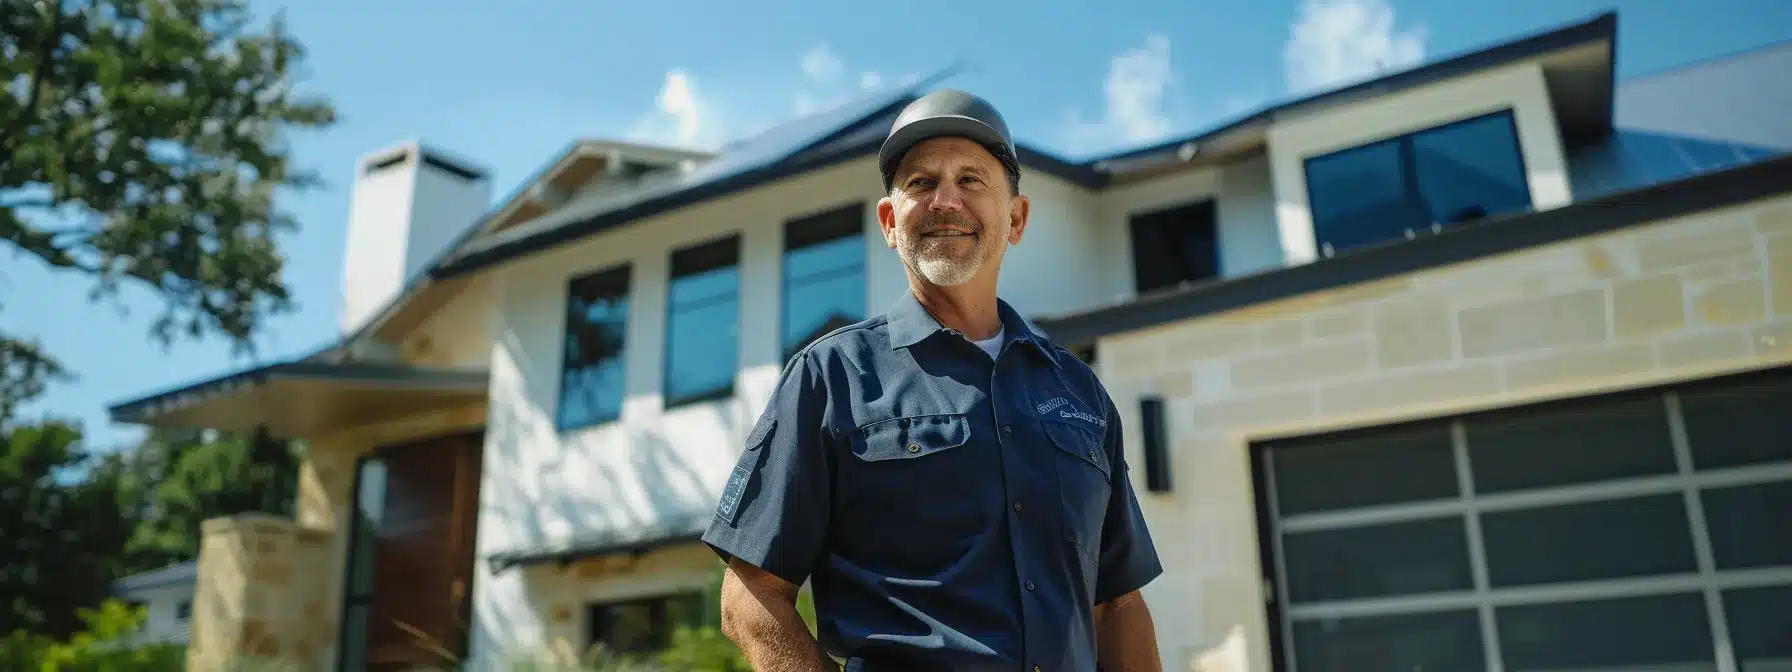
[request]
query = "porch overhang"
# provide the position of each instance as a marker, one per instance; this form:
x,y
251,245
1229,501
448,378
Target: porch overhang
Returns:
x,y
305,398
635,542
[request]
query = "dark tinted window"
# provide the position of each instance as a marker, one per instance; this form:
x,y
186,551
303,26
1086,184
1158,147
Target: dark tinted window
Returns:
x,y
824,275
591,370
703,322
642,626
1174,245
1402,186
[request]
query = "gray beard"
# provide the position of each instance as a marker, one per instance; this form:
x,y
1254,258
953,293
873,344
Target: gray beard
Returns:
x,y
935,261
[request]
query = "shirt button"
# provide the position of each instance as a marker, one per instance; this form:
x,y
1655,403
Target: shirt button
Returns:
x,y
1007,429
1091,454
914,447
1035,668
1029,585
1017,507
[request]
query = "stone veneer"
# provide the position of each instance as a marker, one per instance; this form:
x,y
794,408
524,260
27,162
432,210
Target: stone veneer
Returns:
x,y
259,598
1692,296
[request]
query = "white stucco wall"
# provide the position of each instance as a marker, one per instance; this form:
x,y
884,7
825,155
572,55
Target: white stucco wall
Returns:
x,y
1518,87
1248,239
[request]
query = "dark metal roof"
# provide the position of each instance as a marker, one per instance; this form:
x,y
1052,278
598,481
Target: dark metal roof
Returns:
x,y
1466,242
395,376
637,541
1602,27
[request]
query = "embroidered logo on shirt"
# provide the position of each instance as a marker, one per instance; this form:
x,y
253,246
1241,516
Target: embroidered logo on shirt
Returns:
x,y
1068,412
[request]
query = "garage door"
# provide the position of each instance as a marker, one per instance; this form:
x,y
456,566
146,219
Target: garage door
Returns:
x,y
1648,530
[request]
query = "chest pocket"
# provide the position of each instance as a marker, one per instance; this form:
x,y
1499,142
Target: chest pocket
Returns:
x,y
911,438
1083,480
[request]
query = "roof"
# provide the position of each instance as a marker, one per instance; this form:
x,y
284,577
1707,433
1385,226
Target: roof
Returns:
x,y
177,573
1487,237
288,398
669,531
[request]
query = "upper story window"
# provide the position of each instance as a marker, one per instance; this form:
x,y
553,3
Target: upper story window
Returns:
x,y
591,372
703,322
824,275
1401,187
1175,245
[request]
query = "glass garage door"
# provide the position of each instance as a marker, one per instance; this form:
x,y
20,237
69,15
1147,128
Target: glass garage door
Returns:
x,y
1644,531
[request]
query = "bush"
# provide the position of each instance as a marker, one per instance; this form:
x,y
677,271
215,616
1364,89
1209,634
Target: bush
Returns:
x,y
104,646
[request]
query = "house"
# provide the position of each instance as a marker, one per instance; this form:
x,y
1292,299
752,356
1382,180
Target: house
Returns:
x,y
1480,364
166,597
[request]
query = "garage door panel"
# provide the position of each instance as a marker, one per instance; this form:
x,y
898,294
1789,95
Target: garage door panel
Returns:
x,y
1588,541
1646,530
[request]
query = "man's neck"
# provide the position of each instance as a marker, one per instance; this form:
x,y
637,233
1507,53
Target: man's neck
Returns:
x,y
969,308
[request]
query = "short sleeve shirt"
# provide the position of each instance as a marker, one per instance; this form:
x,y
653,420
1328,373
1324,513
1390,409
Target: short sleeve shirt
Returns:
x,y
951,510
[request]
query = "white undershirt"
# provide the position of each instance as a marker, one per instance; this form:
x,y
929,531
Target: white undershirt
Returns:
x,y
993,344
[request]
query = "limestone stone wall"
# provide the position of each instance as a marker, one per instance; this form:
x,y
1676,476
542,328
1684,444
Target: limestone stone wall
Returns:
x,y
258,597
1682,298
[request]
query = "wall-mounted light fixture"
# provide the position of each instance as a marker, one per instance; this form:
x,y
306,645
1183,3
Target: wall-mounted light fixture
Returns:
x,y
1157,444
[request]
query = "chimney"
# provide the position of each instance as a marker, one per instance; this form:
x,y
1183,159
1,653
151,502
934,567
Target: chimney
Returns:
x,y
409,204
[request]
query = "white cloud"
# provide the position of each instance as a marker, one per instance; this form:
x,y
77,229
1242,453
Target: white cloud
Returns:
x,y
1336,42
870,81
680,116
821,65
1133,111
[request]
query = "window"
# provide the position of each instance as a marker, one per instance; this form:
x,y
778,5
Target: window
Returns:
x,y
591,368
369,510
824,275
642,626
1175,245
1401,187
702,322
1600,533
183,610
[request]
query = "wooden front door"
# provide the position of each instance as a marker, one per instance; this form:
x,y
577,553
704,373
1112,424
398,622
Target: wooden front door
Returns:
x,y
409,593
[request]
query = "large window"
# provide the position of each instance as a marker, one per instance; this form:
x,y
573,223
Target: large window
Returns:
x,y
1416,184
1175,245
641,626
1638,531
591,371
824,275
702,322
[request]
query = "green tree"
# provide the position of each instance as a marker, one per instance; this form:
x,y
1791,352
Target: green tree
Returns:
x,y
210,477
61,540
144,140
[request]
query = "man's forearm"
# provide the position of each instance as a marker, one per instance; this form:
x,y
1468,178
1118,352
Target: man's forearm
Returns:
x,y
1125,636
763,621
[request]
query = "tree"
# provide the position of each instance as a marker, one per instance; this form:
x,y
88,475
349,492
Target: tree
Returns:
x,y
220,476
60,542
143,140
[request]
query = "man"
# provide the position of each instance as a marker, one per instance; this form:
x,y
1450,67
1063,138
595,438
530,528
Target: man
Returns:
x,y
951,482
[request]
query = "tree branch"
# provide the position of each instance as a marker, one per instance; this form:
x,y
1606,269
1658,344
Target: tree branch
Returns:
x,y
45,57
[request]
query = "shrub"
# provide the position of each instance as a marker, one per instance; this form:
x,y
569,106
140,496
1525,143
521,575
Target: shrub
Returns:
x,y
104,646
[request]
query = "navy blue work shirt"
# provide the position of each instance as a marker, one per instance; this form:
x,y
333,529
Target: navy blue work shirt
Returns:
x,y
953,511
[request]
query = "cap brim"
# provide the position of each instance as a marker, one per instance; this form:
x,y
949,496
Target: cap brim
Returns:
x,y
935,127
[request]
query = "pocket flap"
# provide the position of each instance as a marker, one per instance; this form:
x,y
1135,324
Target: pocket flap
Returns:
x,y
1084,443
912,437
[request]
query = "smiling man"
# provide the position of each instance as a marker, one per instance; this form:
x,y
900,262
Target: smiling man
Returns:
x,y
951,482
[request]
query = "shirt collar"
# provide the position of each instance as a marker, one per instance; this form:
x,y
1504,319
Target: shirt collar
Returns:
x,y
910,323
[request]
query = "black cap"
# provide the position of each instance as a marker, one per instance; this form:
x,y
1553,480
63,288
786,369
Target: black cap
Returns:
x,y
948,112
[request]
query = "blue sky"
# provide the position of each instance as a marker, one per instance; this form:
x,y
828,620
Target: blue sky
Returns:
x,y
509,84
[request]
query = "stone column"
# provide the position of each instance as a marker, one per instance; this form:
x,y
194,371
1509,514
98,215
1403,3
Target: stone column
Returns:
x,y
262,596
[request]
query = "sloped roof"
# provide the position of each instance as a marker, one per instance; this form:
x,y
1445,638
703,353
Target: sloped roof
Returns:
x,y
177,573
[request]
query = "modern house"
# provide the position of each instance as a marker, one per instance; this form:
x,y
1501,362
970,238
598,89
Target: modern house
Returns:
x,y
166,597
1484,364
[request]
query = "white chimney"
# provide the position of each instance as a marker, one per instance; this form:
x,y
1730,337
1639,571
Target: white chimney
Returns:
x,y
409,204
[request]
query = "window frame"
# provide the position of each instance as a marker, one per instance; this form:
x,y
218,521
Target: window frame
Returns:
x,y
695,259
1204,212
1409,176
622,276
813,230
660,604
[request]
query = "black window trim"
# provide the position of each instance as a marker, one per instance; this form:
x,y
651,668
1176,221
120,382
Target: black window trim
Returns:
x,y
1408,174
622,275
711,254
1211,203
808,230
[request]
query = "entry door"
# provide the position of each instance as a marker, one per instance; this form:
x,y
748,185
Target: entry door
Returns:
x,y
408,599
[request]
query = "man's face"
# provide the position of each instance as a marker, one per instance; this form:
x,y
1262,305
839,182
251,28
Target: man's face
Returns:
x,y
950,214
